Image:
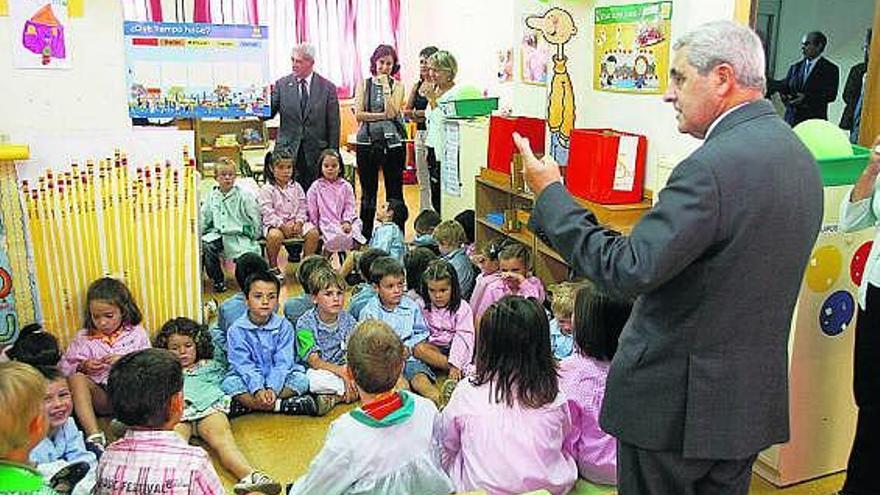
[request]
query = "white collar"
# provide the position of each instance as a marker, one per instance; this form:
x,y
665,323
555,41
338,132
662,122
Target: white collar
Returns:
x,y
308,79
721,117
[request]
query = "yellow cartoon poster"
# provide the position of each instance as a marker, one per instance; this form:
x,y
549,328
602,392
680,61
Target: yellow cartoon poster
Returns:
x,y
632,48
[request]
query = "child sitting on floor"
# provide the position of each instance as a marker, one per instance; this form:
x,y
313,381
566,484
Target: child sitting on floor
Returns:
x,y
264,372
205,403
146,391
321,336
232,308
451,239
111,330
284,209
515,279
414,262
364,291
405,318
387,236
450,322
294,307
508,429
486,259
562,306
598,321
230,221
384,447
424,225
332,206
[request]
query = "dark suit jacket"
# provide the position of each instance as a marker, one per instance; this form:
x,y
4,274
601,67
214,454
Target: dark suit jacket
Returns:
x,y
852,90
318,129
819,90
715,267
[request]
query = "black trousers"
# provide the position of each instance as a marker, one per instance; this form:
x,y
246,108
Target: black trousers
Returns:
x,y
212,257
434,175
305,173
648,472
864,457
370,158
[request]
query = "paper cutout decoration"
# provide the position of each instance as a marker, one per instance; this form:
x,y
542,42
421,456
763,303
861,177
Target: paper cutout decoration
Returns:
x,y
857,264
43,34
837,313
823,268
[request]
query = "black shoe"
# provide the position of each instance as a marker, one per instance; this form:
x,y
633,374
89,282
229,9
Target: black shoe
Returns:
x,y
353,278
237,409
64,480
220,287
299,405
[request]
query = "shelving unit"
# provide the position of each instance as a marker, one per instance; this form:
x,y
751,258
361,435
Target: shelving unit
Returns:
x,y
251,137
495,195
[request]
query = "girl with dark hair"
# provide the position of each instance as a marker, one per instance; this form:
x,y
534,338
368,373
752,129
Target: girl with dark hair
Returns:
x,y
112,329
331,206
378,105
35,346
450,323
206,405
507,429
284,210
596,325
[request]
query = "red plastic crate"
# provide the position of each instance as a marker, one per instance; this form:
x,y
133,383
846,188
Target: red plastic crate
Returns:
x,y
602,170
501,147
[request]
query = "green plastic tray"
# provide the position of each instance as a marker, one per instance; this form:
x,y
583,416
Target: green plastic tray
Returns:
x,y
469,107
845,170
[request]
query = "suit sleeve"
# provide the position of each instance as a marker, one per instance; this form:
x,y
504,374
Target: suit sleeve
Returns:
x,y
666,240
332,117
275,104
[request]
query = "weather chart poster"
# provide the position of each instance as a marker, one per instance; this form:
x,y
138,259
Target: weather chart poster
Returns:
x,y
632,48
39,30
196,70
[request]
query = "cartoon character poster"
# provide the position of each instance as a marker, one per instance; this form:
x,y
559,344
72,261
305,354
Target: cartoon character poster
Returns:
x,y
632,48
39,30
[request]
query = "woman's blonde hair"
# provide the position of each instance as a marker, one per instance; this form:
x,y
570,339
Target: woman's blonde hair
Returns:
x,y
444,60
22,391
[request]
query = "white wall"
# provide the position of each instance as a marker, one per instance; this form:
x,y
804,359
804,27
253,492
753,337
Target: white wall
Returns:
x,y
90,95
844,22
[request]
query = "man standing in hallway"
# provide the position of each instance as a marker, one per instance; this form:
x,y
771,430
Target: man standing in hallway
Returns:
x,y
811,83
309,114
699,384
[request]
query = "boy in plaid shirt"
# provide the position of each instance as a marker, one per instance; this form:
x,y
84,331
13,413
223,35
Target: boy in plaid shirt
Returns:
x,y
146,390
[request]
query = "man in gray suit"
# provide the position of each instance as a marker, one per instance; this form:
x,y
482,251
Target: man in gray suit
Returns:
x,y
699,384
309,114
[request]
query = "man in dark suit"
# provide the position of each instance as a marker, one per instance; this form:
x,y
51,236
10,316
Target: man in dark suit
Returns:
x,y
852,90
811,84
699,384
309,114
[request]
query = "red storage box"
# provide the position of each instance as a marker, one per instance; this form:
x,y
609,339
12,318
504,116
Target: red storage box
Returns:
x,y
501,147
606,166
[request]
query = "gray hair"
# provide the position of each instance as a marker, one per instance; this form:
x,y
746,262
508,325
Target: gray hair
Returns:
x,y
307,50
726,42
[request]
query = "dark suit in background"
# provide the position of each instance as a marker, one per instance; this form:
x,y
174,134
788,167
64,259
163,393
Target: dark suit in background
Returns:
x,y
306,134
701,371
852,90
819,89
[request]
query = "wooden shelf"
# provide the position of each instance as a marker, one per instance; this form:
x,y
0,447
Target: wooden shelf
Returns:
x,y
494,194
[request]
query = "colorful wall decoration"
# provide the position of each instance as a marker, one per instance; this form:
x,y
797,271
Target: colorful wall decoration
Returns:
x,y
632,48
557,27
40,34
196,70
101,218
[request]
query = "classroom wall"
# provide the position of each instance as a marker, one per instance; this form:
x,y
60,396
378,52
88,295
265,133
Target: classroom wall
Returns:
x,y
844,22
90,95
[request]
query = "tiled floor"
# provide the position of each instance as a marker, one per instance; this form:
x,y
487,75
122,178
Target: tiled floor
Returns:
x,y
283,446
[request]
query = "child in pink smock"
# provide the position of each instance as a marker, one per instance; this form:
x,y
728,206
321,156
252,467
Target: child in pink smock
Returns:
x,y
331,206
515,279
284,210
450,321
596,326
486,258
508,429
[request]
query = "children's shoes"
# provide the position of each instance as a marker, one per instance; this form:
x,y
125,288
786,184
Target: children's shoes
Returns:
x,y
96,443
298,405
67,477
259,482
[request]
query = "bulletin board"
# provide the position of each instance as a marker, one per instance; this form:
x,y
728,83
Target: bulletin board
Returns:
x,y
196,70
632,48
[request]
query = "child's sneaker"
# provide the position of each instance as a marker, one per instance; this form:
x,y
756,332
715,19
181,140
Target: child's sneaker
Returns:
x,y
237,409
219,287
257,482
325,403
299,405
67,477
278,274
96,443
446,392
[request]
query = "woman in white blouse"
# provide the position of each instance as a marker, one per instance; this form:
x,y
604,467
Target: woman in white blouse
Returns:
x,y
859,211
